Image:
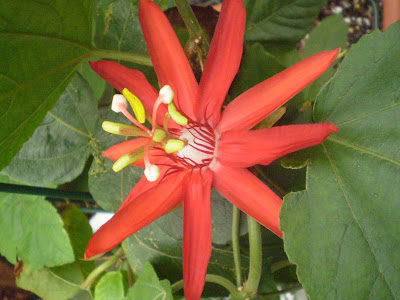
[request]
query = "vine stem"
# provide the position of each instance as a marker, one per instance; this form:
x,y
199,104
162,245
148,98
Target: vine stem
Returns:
x,y
251,285
100,269
236,245
126,56
196,33
222,281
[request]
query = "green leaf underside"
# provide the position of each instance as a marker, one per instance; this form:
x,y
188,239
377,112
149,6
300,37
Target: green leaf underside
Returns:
x,y
107,187
149,287
110,286
280,21
31,229
41,44
58,150
342,232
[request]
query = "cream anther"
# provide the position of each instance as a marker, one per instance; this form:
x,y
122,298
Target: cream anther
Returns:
x,y
166,94
152,172
118,102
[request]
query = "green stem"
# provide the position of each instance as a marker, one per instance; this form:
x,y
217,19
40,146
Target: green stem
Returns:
x,y
236,245
376,14
100,269
196,33
251,285
126,56
232,289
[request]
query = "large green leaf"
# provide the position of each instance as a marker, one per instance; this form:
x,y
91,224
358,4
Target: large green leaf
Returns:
x,y
58,150
343,230
110,286
149,287
49,285
280,20
31,229
41,44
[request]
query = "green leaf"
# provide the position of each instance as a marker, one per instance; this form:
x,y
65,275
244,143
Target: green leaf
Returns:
x,y
149,287
280,20
48,285
31,229
79,231
328,35
110,286
41,44
343,230
58,150
117,26
257,65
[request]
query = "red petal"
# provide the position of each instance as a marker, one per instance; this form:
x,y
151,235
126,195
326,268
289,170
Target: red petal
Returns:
x,y
258,102
169,59
116,151
249,194
121,77
248,148
223,60
196,233
164,163
146,208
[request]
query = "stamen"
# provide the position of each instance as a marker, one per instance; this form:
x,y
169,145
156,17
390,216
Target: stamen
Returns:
x,y
152,172
123,129
176,116
126,160
118,101
119,104
173,145
166,95
137,105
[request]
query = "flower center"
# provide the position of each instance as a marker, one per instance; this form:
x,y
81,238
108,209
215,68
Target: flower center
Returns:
x,y
200,149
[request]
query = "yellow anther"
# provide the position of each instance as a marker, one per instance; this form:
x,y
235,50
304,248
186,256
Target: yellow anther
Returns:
x,y
176,116
173,145
136,105
123,129
125,161
159,135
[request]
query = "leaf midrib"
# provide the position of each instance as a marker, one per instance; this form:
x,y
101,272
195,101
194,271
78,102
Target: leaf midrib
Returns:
x,y
363,150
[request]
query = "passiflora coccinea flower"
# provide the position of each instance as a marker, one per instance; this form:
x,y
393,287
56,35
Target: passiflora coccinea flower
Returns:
x,y
192,146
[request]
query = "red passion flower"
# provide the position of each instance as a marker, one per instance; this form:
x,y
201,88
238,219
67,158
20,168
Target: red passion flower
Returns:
x,y
192,146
